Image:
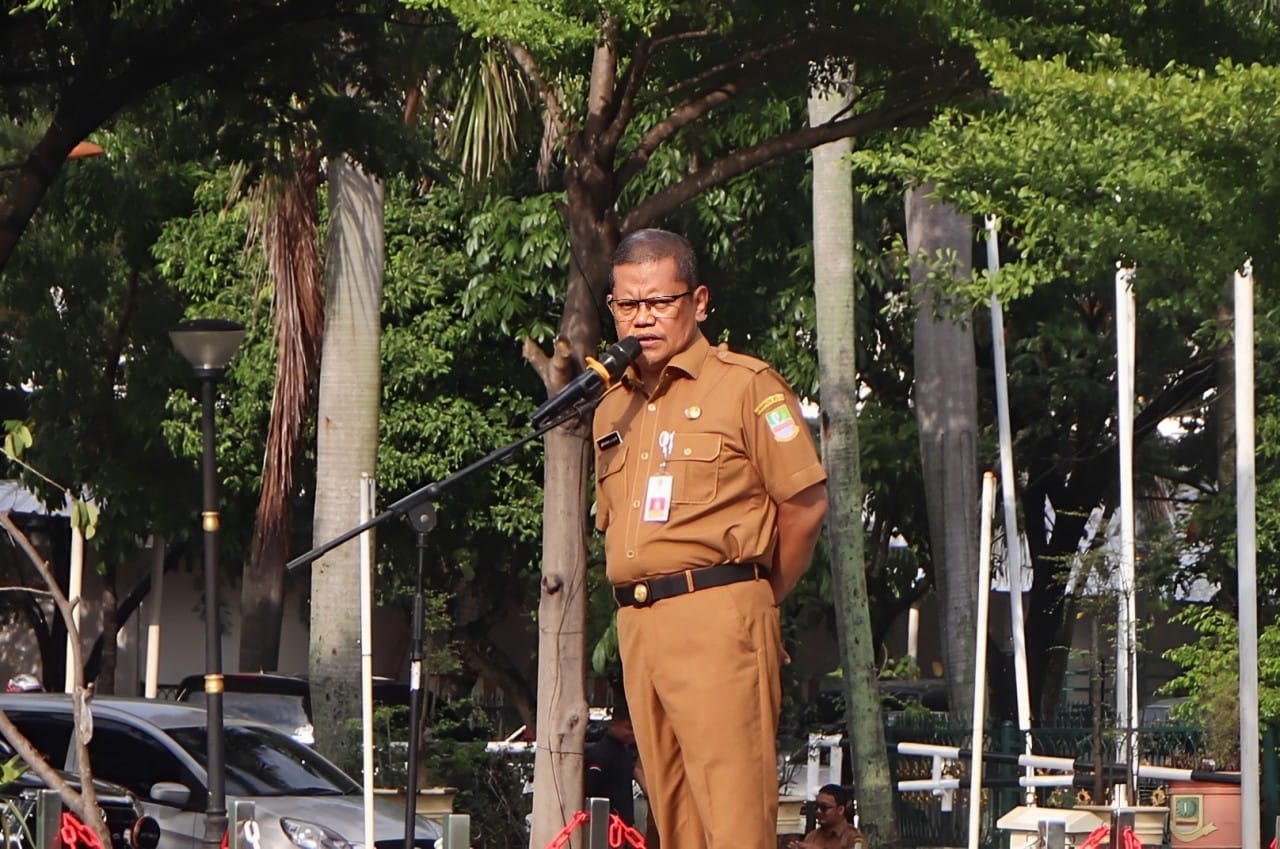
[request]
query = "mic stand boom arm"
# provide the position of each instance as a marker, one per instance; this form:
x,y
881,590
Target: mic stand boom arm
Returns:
x,y
431,492
423,521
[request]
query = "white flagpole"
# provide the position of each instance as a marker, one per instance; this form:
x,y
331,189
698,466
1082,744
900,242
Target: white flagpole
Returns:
x,y
367,488
980,668
1246,559
1126,678
1009,493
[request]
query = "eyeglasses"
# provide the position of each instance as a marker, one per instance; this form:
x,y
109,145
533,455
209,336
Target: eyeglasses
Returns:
x,y
823,807
662,306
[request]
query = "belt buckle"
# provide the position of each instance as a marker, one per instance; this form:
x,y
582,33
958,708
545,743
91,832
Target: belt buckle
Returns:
x,y
640,592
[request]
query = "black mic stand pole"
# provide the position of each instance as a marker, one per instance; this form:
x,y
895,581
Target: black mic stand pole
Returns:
x,y
423,521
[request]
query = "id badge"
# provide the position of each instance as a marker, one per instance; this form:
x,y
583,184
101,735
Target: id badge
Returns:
x,y
657,498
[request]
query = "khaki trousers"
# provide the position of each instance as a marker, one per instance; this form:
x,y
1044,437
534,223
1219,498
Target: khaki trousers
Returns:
x,y
701,673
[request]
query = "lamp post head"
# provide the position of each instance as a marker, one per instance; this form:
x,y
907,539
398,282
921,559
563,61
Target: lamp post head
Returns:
x,y
208,344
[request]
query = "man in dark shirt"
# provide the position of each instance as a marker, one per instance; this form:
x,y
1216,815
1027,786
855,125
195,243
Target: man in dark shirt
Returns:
x,y
611,764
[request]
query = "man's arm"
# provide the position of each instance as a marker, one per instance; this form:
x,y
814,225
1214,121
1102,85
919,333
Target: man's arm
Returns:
x,y
799,523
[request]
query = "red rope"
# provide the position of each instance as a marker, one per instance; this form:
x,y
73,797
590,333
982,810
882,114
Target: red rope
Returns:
x,y
1128,838
1095,838
75,833
562,837
619,832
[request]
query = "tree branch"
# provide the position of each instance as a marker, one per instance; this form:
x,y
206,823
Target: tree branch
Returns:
x,y
529,66
912,113
84,803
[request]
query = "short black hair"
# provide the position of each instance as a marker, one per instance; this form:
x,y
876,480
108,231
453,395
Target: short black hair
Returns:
x,y
653,245
835,791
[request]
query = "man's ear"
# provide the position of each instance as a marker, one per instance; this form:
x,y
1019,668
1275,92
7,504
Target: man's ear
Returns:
x,y
701,302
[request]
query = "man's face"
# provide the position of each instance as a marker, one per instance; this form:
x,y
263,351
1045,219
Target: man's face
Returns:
x,y
829,813
661,336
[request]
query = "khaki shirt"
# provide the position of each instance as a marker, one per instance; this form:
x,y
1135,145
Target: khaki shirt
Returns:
x,y
847,838
740,448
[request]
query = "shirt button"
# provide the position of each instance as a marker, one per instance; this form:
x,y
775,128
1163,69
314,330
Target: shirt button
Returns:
x,y
653,408
644,455
688,451
635,504
631,555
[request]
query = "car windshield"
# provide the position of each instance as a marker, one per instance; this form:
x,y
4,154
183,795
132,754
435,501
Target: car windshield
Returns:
x,y
262,762
279,710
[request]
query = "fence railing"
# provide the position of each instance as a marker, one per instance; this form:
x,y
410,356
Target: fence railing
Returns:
x,y
926,819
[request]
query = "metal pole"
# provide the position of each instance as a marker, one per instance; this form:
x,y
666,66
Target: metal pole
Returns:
x,y
1009,493
598,824
367,488
457,831
423,519
980,652
1126,636
1246,561
48,819
216,809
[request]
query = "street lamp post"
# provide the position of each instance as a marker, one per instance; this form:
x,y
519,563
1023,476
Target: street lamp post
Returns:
x,y
208,344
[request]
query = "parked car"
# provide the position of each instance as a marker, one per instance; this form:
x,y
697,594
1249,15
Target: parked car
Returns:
x,y
281,701
157,750
129,826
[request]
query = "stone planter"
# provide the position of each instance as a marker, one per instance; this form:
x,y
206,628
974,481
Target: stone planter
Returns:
x,y
434,803
790,815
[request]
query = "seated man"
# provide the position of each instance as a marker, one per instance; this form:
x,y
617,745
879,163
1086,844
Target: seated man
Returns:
x,y
834,830
611,765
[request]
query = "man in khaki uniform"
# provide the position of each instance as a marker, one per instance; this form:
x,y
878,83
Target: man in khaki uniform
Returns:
x,y
711,497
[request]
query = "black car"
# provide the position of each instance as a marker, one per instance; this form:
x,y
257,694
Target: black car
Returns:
x,y
129,827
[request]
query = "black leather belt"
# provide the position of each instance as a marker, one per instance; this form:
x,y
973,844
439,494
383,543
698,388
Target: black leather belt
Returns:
x,y
645,593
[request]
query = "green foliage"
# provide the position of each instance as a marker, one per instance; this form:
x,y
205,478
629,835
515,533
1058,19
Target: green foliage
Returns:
x,y
17,438
516,253
1088,165
490,787
11,770
88,364
1210,678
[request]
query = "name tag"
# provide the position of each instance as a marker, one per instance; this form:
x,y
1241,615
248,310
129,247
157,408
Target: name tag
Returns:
x,y
657,499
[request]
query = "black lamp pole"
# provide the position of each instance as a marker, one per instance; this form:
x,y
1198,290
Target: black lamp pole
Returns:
x,y
209,344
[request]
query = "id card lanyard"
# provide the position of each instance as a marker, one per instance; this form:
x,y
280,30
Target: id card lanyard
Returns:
x,y
657,494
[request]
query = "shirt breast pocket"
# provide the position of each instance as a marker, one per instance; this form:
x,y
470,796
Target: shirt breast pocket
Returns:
x,y
695,468
610,481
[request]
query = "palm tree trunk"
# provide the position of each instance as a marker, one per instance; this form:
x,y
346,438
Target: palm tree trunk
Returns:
x,y
346,440
836,297
940,241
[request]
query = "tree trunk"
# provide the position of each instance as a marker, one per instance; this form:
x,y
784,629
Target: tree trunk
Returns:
x,y
346,442
562,702
562,608
105,680
836,296
940,241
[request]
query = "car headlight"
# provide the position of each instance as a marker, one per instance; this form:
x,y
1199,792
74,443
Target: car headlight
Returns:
x,y
309,835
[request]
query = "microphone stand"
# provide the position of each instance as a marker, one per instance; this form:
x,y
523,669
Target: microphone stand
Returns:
x,y
423,521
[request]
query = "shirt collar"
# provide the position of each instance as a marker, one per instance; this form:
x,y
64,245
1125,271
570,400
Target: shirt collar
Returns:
x,y
689,361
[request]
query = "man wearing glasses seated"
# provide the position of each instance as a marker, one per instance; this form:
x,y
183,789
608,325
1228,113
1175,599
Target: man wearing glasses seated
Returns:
x,y
834,830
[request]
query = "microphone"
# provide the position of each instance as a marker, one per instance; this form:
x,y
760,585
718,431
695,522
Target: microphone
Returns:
x,y
594,380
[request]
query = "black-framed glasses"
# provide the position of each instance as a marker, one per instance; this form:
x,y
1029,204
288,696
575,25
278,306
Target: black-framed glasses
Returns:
x,y
823,807
663,306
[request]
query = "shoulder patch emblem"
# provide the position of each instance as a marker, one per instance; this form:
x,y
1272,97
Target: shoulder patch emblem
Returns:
x,y
782,424
768,402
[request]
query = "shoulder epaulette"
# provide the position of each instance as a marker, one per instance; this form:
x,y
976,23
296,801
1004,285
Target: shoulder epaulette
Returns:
x,y
724,355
